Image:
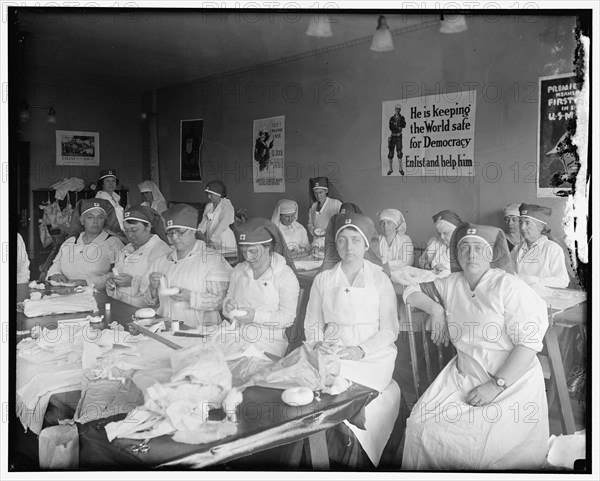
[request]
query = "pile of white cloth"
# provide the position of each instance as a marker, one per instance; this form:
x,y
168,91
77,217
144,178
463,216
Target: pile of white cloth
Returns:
x,y
64,186
66,304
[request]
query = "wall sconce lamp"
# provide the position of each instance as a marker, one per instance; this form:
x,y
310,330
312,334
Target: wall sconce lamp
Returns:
x,y
382,40
24,114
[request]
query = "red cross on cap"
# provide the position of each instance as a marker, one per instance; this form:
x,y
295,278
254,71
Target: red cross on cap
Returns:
x,y
348,221
242,236
523,212
471,231
169,222
127,214
96,204
316,184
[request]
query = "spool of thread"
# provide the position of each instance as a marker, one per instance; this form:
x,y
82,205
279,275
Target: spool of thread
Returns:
x,y
175,325
107,317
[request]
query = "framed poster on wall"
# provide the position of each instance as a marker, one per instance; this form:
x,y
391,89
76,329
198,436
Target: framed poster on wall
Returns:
x,y
190,142
77,148
558,159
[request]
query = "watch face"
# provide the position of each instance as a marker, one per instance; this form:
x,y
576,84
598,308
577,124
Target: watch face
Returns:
x,y
501,382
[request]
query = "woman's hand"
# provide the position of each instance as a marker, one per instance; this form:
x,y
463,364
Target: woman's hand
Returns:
x,y
439,327
58,278
122,280
154,279
439,268
249,317
229,305
110,283
352,353
483,394
184,295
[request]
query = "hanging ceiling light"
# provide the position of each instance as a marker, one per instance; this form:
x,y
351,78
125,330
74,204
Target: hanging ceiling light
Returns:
x,y
382,40
453,24
319,26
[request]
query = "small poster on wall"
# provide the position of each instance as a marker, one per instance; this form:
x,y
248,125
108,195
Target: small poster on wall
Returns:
x,y
191,136
77,148
432,135
268,153
558,160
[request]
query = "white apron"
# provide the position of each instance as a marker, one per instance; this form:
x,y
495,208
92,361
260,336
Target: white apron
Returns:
x,y
355,310
262,295
213,217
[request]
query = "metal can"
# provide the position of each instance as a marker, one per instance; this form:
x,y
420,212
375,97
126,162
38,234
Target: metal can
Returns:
x,y
175,325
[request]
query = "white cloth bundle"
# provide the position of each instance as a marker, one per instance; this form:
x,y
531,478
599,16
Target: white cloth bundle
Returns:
x,y
408,275
67,304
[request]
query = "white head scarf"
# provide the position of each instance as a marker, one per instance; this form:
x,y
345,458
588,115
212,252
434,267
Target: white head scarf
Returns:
x,y
395,216
149,186
284,206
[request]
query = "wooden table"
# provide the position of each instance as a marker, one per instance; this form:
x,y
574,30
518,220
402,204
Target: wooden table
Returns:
x,y
264,420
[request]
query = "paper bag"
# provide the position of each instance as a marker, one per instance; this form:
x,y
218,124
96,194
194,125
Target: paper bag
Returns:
x,y
59,447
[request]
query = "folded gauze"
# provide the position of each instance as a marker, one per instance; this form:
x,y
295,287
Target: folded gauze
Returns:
x,y
67,304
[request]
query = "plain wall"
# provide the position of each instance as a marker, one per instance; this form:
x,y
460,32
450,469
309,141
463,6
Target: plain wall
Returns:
x,y
332,107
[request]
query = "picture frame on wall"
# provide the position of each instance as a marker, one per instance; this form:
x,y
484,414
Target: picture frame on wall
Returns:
x,y
77,148
191,136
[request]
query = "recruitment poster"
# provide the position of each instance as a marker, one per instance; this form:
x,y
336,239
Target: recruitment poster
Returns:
x,y
432,135
558,161
268,154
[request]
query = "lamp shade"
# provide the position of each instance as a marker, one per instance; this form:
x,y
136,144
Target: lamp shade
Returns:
x,y
319,26
382,39
453,24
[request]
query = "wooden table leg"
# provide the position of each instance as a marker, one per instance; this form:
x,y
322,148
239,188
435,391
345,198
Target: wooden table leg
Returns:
x,y
317,451
559,382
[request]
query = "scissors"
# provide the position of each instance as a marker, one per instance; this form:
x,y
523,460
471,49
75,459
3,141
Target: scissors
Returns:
x,y
142,447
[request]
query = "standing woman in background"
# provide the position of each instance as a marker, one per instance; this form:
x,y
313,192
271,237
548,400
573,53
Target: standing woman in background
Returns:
x,y
218,215
511,219
152,196
395,247
107,183
322,209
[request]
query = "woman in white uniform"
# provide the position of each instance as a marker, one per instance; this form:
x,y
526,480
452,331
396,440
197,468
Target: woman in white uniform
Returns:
x,y
396,248
538,260
353,307
322,209
264,286
22,261
218,215
107,183
87,258
142,226
436,256
199,273
285,217
487,408
152,196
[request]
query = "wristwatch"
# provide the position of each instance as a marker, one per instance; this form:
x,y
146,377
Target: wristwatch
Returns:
x,y
500,382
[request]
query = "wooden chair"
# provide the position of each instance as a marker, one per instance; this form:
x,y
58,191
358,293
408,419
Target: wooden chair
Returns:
x,y
295,332
432,367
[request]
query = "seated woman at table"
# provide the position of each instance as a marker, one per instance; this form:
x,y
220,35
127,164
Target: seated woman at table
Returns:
x,y
538,260
142,227
467,419
87,259
107,183
199,273
436,256
331,253
152,196
218,215
395,247
353,309
511,219
285,217
263,285
324,207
